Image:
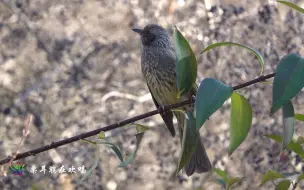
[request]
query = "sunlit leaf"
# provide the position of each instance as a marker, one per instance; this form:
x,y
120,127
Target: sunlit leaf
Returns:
x,y
293,6
222,174
288,80
231,181
102,135
88,141
186,67
297,148
288,124
268,82
283,185
299,117
240,120
300,140
277,138
115,149
141,128
210,96
189,141
178,111
256,53
132,155
269,176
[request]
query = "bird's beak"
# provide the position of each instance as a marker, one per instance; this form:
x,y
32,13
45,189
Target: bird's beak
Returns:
x,y
137,30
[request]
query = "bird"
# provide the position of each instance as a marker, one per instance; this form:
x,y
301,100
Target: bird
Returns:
x,y
158,66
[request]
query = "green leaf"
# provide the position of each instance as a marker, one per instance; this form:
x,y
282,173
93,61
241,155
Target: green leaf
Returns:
x,y
299,117
102,135
211,95
186,67
288,124
297,148
90,171
277,138
269,176
139,137
294,146
88,141
140,131
300,140
283,185
141,128
221,182
256,53
301,177
240,120
178,111
293,6
288,80
189,141
222,174
115,148
232,181
36,187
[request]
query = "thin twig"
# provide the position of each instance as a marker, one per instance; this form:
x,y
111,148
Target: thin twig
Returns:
x,y
259,79
119,124
26,132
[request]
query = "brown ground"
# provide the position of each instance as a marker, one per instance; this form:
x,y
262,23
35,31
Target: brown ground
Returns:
x,y
74,65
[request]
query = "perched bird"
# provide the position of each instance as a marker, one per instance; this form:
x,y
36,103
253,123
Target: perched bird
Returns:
x,y
158,61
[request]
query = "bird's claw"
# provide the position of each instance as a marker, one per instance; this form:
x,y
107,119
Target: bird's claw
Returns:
x,y
161,110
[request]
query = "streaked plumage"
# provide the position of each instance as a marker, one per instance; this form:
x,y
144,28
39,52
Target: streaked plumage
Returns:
x,y
158,62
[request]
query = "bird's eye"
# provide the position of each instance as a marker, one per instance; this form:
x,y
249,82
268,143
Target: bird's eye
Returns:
x,y
151,37
148,38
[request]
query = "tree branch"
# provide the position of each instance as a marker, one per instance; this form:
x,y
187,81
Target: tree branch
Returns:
x,y
119,124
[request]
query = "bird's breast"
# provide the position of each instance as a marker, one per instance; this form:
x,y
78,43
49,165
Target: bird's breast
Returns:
x,y
158,68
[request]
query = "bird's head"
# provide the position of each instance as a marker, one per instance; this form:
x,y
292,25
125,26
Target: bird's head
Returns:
x,y
153,35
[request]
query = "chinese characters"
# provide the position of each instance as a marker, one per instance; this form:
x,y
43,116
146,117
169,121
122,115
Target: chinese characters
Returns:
x,y
54,170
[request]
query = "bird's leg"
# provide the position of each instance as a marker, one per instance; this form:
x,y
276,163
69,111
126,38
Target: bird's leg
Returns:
x,y
193,101
161,110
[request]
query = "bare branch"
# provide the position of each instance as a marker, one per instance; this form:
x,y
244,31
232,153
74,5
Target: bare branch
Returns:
x,y
26,132
119,124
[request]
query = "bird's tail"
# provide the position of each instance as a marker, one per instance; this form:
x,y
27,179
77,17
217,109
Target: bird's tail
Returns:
x,y
199,162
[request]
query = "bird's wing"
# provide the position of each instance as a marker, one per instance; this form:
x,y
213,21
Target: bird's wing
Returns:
x,y
167,117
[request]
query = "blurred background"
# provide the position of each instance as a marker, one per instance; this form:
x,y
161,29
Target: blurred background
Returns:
x,y
75,66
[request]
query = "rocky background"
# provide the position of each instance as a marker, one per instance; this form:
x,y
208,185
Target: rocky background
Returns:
x,y
75,66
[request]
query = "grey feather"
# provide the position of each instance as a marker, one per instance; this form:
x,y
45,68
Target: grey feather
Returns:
x,y
167,117
158,62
